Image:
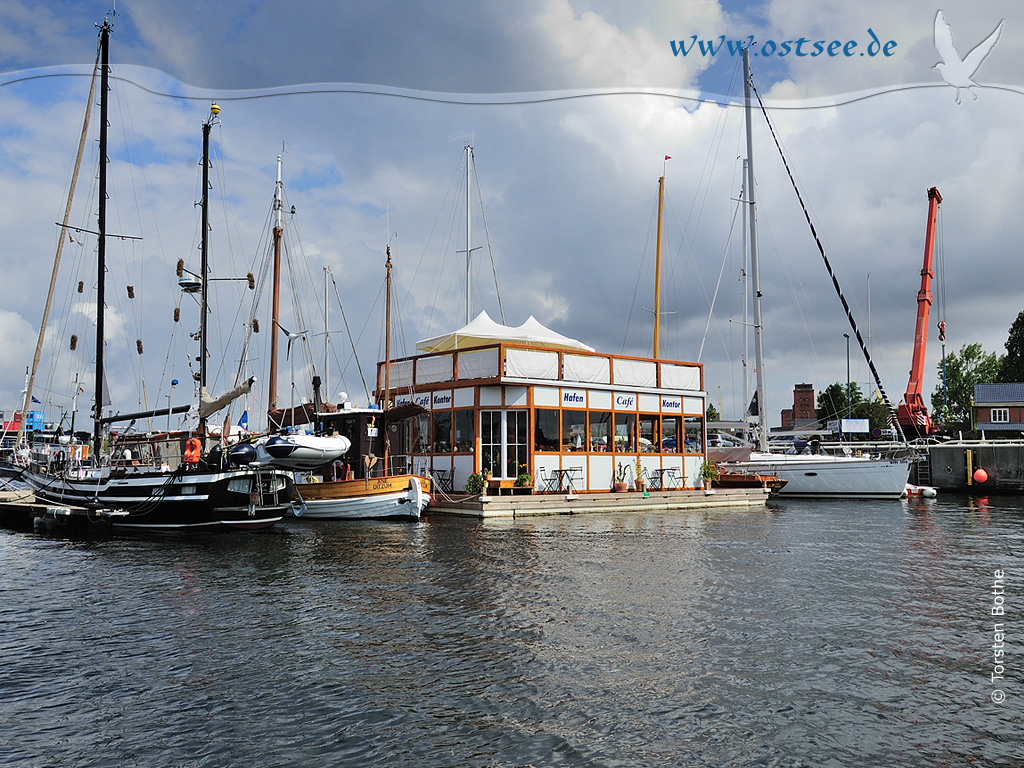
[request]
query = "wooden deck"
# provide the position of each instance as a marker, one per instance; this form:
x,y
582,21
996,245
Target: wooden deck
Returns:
x,y
592,503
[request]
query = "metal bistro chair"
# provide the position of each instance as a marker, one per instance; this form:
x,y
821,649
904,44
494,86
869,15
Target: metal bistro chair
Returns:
x,y
443,479
546,481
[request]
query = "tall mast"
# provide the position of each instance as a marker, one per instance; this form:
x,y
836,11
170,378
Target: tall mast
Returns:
x,y
743,292
327,331
101,244
204,270
762,440
387,329
657,268
276,300
469,247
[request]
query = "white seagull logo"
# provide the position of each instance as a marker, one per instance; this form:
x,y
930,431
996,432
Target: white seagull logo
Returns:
x,y
955,71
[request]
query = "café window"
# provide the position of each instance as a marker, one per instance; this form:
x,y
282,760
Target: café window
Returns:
x,y
649,437
600,431
421,433
464,434
670,434
442,434
625,432
694,435
517,432
545,430
574,431
490,441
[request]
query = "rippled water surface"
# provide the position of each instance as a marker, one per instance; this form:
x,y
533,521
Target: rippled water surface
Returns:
x,y
805,634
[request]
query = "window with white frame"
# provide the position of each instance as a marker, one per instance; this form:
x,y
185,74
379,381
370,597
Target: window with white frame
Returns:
x,y
1000,415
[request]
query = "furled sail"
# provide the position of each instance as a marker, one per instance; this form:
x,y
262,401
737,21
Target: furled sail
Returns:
x,y
209,405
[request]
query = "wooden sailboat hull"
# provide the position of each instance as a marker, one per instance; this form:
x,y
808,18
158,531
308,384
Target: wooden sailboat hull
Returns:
x,y
398,496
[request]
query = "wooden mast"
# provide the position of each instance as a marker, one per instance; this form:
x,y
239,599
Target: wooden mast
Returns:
x,y
657,269
387,330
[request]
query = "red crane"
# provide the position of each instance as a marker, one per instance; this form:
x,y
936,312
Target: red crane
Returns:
x,y
912,413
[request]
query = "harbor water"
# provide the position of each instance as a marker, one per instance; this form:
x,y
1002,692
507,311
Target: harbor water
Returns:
x,y
801,634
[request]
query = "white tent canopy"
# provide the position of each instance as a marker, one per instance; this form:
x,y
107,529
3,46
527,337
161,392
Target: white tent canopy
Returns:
x,y
482,330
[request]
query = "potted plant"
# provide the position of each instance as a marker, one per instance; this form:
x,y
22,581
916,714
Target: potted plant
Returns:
x,y
708,473
524,480
619,486
639,477
475,483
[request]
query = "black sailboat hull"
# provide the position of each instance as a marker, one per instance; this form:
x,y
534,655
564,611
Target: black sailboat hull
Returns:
x,y
197,500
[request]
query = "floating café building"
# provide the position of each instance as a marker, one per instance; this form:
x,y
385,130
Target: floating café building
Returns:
x,y
526,400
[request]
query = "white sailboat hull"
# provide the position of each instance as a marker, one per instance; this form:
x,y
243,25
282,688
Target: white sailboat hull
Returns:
x,y
821,476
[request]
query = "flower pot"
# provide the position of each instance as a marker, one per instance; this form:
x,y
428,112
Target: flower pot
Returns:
x,y
707,483
619,487
639,485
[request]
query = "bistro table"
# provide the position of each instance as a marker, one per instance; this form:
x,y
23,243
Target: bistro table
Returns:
x,y
565,479
664,479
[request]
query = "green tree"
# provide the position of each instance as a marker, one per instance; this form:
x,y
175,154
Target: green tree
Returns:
x,y
832,401
971,366
874,411
712,413
1012,368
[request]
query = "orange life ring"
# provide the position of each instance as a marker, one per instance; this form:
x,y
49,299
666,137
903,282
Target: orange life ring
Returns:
x,y
193,450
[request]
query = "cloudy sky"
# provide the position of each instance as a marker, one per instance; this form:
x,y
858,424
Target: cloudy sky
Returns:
x,y
571,107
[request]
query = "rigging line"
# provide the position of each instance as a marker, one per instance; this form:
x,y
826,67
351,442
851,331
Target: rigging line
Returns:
x,y
437,272
487,234
60,247
893,421
636,286
351,340
713,150
721,271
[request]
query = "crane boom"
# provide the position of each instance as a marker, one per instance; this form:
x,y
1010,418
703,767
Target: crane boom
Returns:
x,y
912,413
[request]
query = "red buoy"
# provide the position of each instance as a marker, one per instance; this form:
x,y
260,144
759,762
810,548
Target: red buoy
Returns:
x,y
980,475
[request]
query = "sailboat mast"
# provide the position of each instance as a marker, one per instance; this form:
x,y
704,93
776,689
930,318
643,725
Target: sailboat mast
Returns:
x,y
327,332
743,292
469,247
387,329
101,245
657,269
275,306
204,250
762,439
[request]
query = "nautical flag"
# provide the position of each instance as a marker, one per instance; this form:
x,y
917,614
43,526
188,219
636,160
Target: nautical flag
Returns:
x,y
753,409
36,400
80,390
667,157
244,421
